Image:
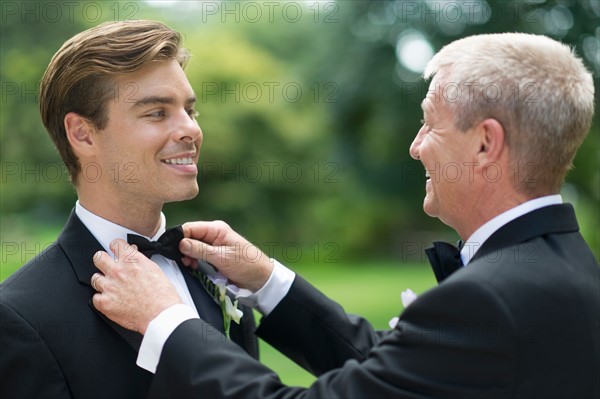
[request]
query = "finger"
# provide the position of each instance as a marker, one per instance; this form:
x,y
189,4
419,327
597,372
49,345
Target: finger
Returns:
x,y
189,262
97,301
196,230
121,249
94,282
196,249
102,261
208,232
125,252
118,242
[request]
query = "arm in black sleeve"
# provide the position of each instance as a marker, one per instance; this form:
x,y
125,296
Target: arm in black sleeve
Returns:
x,y
441,348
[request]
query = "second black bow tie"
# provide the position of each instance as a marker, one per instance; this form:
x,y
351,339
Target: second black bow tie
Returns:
x,y
444,258
167,245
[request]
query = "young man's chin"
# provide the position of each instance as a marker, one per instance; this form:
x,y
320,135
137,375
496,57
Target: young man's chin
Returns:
x,y
185,195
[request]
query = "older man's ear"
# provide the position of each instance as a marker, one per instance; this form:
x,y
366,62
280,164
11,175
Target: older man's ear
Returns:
x,y
491,136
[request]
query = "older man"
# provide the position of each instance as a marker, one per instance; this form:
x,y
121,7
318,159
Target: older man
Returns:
x,y
516,311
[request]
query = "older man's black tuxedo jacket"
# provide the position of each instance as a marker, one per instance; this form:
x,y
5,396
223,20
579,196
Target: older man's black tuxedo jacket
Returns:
x,y
520,321
55,345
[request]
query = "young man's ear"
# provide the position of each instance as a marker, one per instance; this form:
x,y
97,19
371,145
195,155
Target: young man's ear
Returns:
x,y
492,141
79,133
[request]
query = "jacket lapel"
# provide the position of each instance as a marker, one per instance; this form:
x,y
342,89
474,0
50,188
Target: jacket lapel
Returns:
x,y
208,310
79,246
547,220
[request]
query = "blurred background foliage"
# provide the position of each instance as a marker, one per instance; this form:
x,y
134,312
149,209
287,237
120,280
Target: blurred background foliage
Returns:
x,y
308,109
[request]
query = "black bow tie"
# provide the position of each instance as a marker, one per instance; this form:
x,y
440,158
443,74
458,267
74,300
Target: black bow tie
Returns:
x,y
167,245
444,258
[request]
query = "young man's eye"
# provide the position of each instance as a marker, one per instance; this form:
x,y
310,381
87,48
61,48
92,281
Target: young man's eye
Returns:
x,y
157,114
192,113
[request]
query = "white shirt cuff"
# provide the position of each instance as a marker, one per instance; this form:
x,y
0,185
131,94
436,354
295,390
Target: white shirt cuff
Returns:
x,y
158,331
270,294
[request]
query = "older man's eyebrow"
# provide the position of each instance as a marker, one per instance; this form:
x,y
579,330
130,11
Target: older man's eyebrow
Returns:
x,y
424,107
159,100
427,107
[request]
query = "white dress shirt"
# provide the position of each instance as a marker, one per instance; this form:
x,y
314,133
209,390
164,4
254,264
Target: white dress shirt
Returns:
x,y
484,232
105,232
159,329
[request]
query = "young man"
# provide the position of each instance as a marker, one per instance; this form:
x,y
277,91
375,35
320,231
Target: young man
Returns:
x,y
518,320
120,110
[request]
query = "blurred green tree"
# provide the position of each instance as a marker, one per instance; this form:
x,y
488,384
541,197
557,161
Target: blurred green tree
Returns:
x,y
308,109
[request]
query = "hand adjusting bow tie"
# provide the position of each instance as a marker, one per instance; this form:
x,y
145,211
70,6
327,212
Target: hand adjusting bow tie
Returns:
x,y
444,258
168,246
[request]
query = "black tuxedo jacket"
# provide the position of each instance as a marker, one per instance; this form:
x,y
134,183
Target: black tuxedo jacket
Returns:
x,y
55,345
520,321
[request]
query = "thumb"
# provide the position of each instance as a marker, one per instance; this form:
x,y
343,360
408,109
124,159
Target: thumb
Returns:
x,y
196,249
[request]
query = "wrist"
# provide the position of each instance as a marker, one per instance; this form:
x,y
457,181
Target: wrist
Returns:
x,y
273,291
153,315
266,271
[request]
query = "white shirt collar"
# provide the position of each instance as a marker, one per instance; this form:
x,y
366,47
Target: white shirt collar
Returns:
x,y
106,231
484,232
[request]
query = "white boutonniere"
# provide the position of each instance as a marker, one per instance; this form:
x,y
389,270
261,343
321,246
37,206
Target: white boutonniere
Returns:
x,y
216,286
407,296
229,309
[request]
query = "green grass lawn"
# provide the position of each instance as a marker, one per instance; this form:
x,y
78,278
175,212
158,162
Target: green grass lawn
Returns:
x,y
371,290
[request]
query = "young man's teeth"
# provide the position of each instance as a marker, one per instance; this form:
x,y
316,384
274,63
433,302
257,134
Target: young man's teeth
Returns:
x,y
180,161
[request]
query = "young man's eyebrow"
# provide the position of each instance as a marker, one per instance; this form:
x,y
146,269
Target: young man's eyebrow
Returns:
x,y
154,100
191,100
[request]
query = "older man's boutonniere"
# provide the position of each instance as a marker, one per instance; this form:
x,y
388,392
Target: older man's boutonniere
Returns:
x,y
407,296
216,286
